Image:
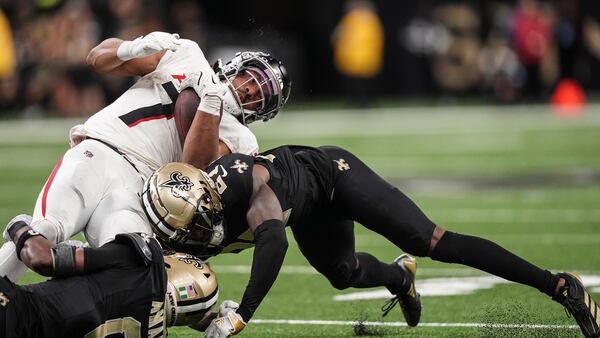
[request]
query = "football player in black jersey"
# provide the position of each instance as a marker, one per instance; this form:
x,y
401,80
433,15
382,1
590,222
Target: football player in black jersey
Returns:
x,y
242,201
119,288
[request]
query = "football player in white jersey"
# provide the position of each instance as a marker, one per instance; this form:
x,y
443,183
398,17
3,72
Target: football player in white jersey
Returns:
x,y
94,188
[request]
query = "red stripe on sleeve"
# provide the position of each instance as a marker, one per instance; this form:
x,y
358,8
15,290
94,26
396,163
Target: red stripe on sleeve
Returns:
x,y
47,186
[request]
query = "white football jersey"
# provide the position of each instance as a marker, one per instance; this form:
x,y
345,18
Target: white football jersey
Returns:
x,y
140,122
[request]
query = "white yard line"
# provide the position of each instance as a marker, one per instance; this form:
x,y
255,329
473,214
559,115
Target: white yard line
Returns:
x,y
309,270
400,324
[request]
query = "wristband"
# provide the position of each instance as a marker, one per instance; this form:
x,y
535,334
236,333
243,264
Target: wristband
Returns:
x,y
12,231
63,259
24,237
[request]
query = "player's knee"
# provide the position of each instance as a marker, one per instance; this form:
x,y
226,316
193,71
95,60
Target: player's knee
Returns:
x,y
52,230
417,244
341,275
450,248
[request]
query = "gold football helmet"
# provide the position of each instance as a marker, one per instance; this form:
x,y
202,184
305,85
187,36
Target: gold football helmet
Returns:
x,y
192,289
183,206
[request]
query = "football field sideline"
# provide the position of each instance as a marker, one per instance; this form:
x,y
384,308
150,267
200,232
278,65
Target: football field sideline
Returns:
x,y
422,272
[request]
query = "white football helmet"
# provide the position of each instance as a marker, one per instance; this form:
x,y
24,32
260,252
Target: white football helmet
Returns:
x,y
183,206
192,289
269,74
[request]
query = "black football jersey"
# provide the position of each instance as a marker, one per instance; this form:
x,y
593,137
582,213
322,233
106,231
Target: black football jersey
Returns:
x,y
124,298
300,177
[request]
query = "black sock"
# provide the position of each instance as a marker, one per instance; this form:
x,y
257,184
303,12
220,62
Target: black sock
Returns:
x,y
372,272
488,256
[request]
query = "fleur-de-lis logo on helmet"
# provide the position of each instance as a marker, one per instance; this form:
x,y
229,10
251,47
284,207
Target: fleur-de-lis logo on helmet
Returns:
x,y
189,259
183,206
177,181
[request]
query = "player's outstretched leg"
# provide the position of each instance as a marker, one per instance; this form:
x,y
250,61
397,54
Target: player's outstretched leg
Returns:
x,y
482,254
573,296
408,297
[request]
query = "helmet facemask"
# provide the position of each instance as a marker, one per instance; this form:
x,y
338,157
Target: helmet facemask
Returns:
x,y
205,226
270,77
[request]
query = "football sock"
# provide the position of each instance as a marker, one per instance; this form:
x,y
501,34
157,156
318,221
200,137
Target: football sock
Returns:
x,y
488,256
372,272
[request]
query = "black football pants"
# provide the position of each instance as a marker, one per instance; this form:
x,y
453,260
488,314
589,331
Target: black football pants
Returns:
x,y
360,195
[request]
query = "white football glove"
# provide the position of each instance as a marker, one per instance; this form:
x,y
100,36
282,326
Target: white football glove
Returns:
x,y
148,45
16,219
228,323
210,90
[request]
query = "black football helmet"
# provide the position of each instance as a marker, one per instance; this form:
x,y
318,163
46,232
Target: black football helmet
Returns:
x,y
270,75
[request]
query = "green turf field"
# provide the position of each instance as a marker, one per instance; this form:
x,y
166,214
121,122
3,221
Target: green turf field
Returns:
x,y
516,175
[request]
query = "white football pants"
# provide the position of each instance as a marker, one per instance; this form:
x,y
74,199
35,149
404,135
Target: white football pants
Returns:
x,y
92,189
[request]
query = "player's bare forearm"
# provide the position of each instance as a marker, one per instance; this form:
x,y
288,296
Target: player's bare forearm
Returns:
x,y
36,254
201,146
264,204
103,59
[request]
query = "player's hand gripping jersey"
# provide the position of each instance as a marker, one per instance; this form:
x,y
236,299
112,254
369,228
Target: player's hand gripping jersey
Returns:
x,y
140,123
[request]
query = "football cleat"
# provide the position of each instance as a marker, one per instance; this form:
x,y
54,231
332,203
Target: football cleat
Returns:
x,y
580,304
408,298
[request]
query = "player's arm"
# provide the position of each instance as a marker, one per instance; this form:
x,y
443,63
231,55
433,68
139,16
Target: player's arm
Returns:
x,y
41,256
264,217
202,145
186,107
127,58
63,260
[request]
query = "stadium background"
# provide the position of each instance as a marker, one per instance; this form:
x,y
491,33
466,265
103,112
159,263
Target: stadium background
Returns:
x,y
458,107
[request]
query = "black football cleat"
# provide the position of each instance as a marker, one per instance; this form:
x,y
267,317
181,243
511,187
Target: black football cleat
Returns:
x,y
580,304
408,297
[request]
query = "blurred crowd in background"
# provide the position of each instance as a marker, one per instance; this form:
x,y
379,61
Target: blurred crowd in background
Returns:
x,y
357,50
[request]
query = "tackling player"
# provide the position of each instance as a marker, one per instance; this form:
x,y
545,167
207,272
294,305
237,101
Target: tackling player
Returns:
x,y
120,287
243,201
95,186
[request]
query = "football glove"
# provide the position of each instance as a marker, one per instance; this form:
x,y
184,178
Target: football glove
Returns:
x,y
228,323
14,225
210,90
148,45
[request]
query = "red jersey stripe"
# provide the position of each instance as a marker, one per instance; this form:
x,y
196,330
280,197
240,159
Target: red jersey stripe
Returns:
x,y
48,184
